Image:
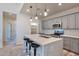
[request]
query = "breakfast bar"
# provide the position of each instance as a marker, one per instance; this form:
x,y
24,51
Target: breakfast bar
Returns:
x,y
49,46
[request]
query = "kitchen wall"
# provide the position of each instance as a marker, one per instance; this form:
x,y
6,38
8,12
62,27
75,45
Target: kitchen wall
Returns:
x,y
70,22
22,27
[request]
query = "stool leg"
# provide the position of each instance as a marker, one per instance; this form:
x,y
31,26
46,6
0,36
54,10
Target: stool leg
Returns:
x,y
30,49
34,51
26,46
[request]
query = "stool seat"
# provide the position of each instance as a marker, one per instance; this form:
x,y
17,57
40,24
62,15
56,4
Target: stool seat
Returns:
x,y
26,39
30,41
35,45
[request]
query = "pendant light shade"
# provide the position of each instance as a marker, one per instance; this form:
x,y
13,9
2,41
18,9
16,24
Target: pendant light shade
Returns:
x,y
28,10
31,12
31,19
45,13
36,17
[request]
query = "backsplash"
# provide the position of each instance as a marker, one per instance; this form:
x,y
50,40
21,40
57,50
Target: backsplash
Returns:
x,y
66,32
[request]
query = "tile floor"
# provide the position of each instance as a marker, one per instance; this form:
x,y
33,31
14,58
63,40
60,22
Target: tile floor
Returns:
x,y
18,51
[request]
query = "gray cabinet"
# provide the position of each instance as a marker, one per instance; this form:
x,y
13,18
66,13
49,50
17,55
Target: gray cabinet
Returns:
x,y
68,22
71,21
77,20
48,24
66,43
75,45
58,20
64,22
44,25
55,20
71,44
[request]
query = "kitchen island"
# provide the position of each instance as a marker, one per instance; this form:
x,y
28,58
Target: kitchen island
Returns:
x,y
49,46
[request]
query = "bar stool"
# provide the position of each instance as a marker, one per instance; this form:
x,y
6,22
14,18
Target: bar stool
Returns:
x,y
26,40
35,46
29,45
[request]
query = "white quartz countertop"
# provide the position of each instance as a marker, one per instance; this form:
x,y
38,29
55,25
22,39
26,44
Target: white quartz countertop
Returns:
x,y
72,36
41,40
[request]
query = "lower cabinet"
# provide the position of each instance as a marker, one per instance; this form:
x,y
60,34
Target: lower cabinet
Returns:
x,y
75,45
66,43
71,44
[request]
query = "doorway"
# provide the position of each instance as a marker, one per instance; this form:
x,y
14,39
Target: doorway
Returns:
x,y
9,29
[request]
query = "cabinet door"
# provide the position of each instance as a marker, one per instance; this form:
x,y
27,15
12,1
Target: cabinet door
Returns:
x,y
58,20
43,24
75,45
55,20
71,21
77,20
66,43
64,22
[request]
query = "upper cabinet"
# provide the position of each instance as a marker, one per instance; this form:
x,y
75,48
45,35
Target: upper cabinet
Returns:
x,y
77,20
71,21
68,22
44,24
64,22
48,24
59,20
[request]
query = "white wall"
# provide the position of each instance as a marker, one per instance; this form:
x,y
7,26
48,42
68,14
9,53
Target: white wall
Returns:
x,y
1,29
8,7
22,27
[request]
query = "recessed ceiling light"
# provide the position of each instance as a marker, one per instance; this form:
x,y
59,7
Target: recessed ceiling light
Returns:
x,y
28,10
59,4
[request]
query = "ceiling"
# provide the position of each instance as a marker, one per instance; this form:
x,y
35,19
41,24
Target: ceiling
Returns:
x,y
10,7
40,7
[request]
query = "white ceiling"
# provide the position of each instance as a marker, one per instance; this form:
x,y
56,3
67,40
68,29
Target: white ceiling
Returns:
x,y
10,7
54,8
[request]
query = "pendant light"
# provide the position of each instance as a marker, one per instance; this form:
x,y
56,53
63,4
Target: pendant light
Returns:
x,y
28,10
31,19
31,12
36,17
45,11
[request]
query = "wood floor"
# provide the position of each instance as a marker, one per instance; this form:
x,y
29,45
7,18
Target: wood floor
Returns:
x,y
69,53
18,51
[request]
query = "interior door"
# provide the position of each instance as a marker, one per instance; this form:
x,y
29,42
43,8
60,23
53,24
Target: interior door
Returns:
x,y
9,29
